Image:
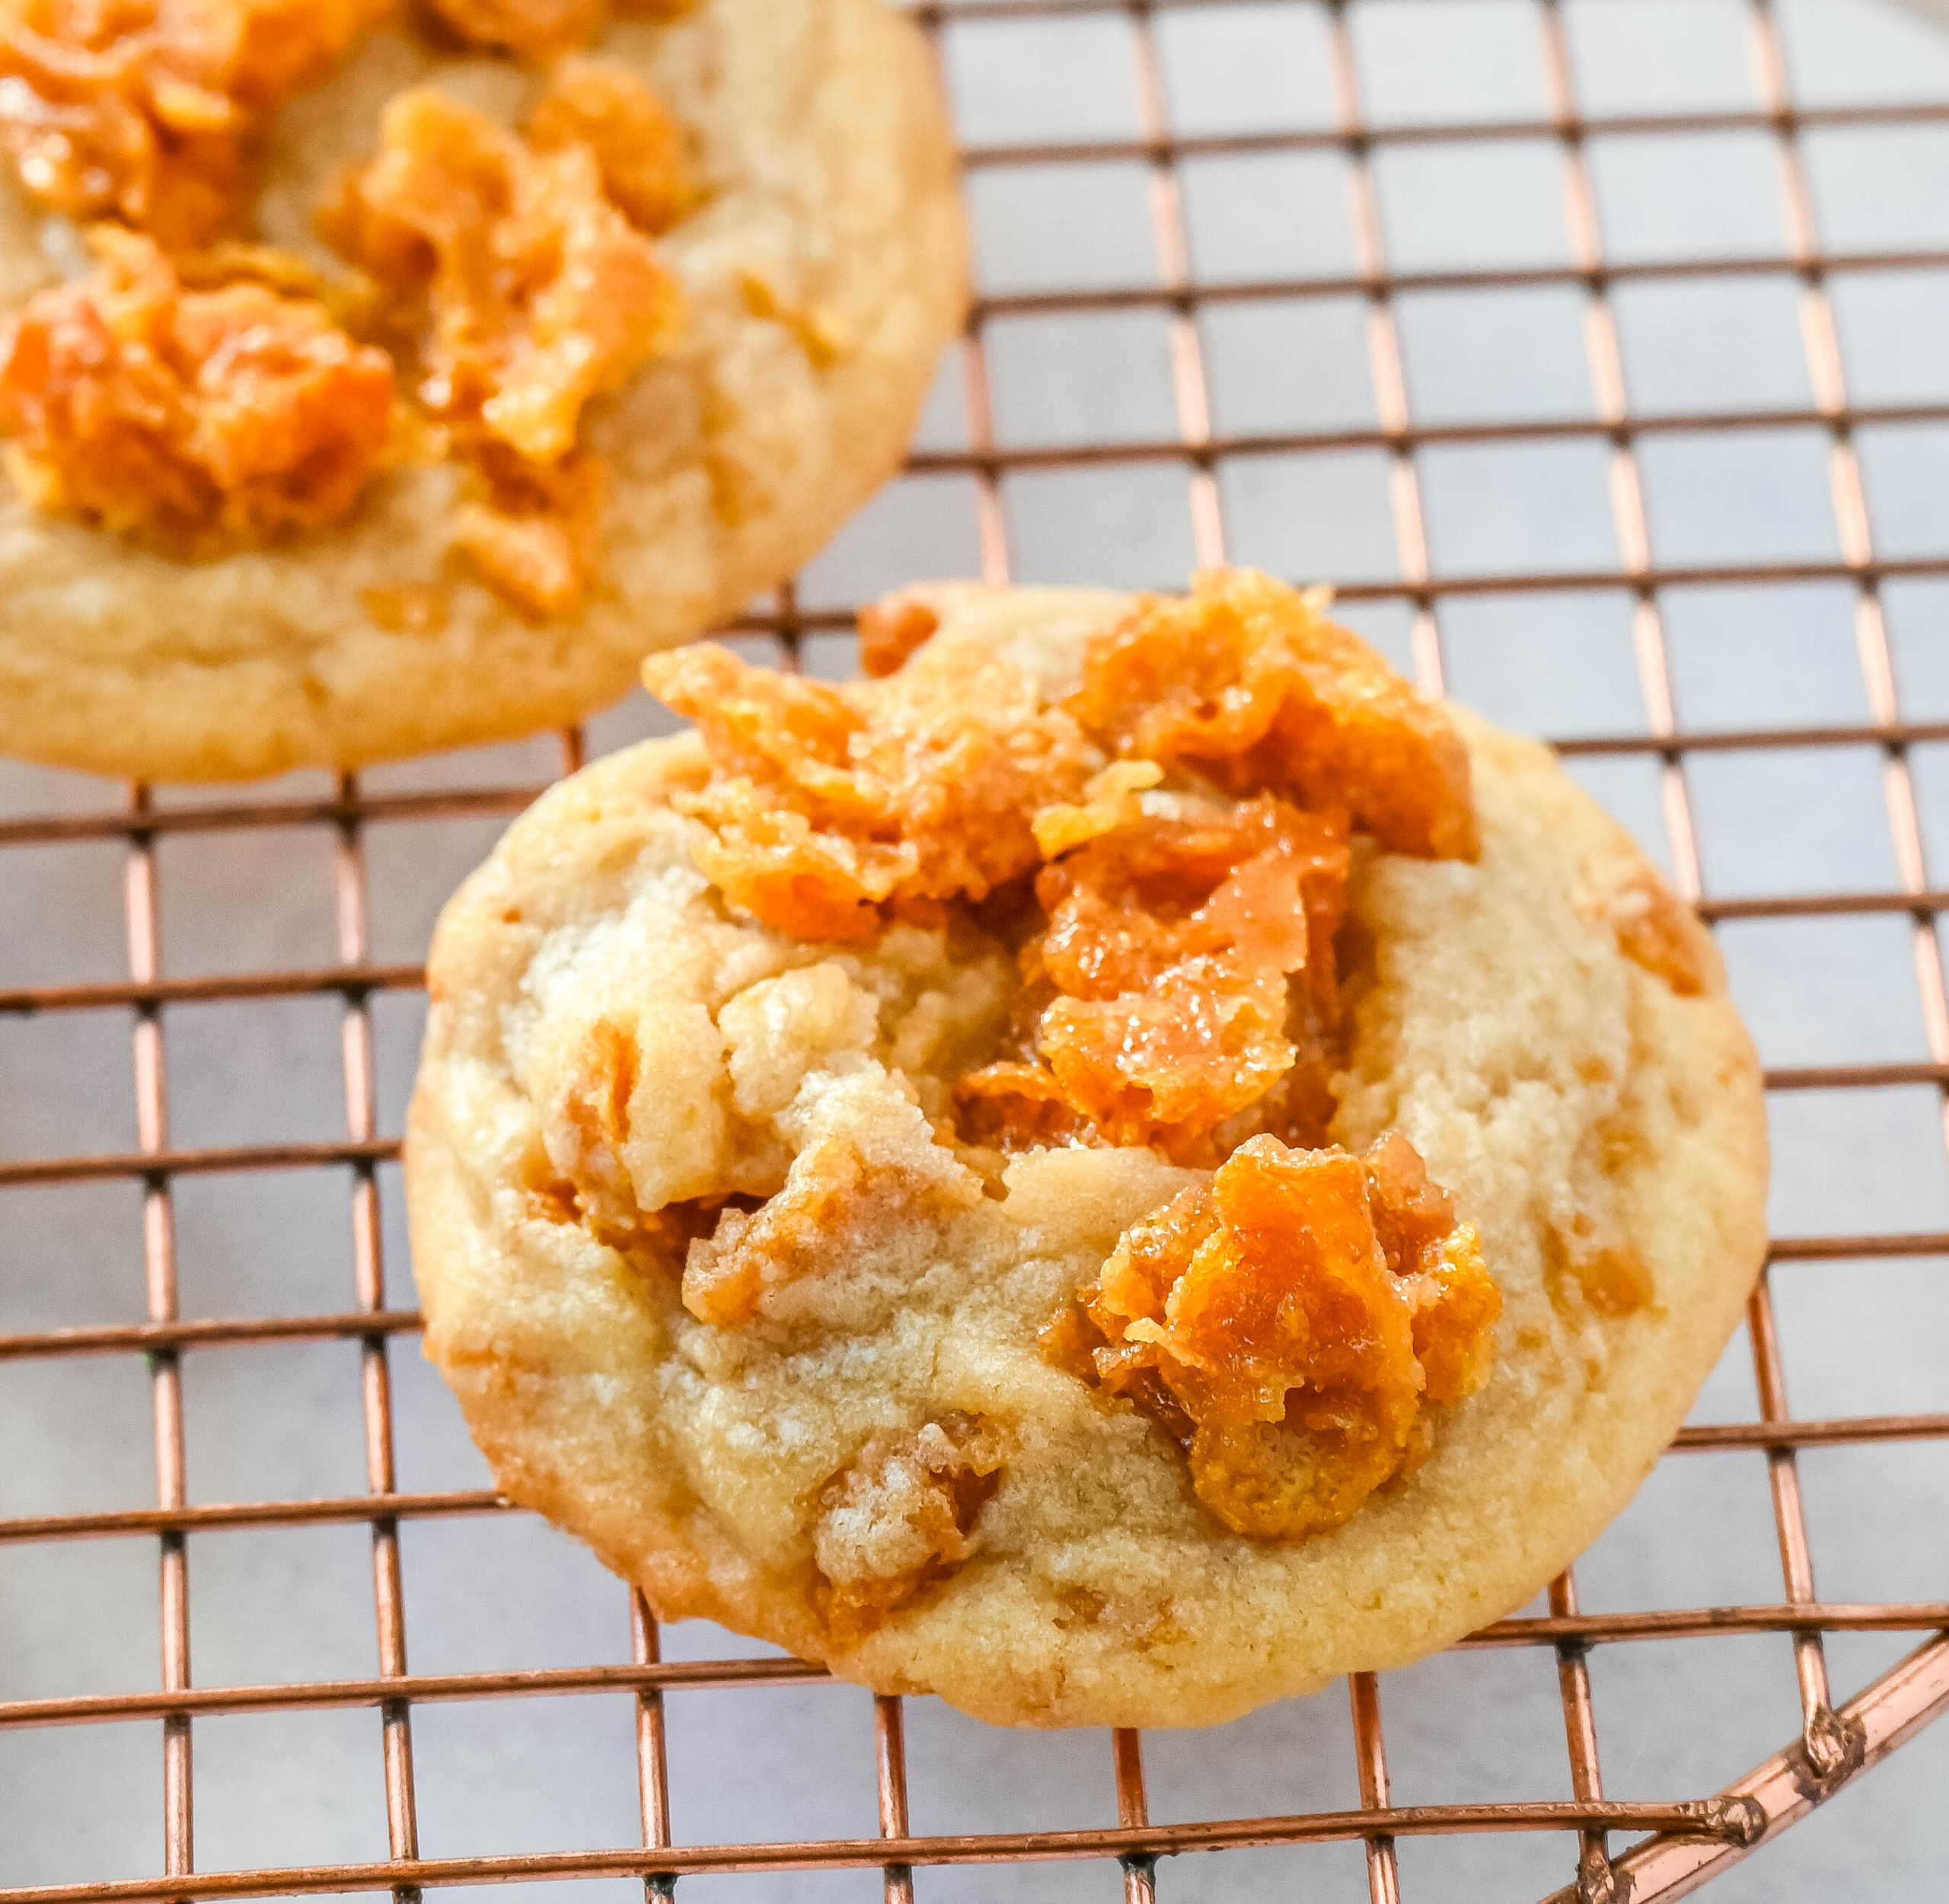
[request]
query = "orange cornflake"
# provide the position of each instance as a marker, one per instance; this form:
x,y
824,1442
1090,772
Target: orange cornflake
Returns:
x,y
901,1517
1166,962
154,113
415,608
530,528
528,291
637,143
890,630
522,292
1615,1281
793,1236
1290,1325
1655,931
536,30
828,803
1245,682
1012,1106
199,419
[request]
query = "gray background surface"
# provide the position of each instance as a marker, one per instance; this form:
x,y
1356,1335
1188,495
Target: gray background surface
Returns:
x,y
1675,1719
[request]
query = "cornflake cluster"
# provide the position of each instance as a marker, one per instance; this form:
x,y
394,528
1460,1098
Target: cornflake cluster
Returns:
x,y
512,277
1170,846
234,415
1289,1325
515,289
154,112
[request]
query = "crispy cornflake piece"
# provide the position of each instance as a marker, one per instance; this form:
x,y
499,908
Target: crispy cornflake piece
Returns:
x,y
535,30
521,291
1166,962
1011,1106
1245,682
529,291
153,113
530,528
1109,801
826,804
891,629
901,1517
834,1199
415,608
1655,931
597,1116
792,1237
822,334
636,142
196,419
1289,1324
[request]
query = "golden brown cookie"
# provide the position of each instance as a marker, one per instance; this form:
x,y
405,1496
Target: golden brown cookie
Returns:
x,y
818,256
850,1291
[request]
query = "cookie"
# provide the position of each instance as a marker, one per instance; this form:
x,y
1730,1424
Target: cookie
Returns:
x,y
788,314
1120,1171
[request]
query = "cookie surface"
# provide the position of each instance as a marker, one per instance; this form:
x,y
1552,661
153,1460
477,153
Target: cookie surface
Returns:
x,y
823,151
592,994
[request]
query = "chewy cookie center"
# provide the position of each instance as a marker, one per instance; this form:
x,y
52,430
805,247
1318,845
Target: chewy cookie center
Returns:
x,y
1163,851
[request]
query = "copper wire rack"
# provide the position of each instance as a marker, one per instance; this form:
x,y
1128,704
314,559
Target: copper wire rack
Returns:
x,y
1610,1848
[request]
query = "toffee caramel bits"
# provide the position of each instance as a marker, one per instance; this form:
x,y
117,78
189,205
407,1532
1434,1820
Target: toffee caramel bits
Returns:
x,y
1171,847
378,379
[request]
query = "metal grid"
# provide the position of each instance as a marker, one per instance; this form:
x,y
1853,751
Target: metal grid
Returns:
x,y
1689,1840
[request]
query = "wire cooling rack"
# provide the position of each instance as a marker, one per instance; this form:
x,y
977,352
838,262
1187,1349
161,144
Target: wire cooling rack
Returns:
x,y
979,471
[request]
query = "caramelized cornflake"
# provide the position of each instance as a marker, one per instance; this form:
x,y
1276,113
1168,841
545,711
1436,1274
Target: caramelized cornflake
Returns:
x,y
596,1114
198,420
1011,1105
1612,1279
828,804
1655,931
536,30
1290,1324
790,1238
416,608
901,1517
1166,962
531,529
521,291
1245,682
153,113
527,291
638,144
1111,800
890,630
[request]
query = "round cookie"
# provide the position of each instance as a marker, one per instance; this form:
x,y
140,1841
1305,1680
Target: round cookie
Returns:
x,y
829,170
590,989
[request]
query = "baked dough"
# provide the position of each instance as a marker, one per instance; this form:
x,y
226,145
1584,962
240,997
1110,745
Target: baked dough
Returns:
x,y
832,214
1558,1088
